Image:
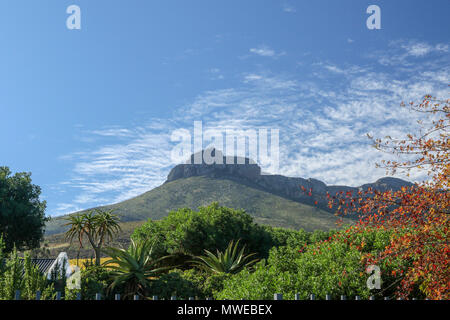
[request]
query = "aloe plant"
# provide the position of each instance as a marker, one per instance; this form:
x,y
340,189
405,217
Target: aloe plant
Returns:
x,y
133,268
231,261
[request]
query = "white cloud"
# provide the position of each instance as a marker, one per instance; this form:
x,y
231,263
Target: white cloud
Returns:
x,y
113,132
263,51
272,82
334,69
322,122
266,51
417,49
406,53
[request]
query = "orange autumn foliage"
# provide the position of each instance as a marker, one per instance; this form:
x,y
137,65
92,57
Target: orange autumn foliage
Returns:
x,y
417,215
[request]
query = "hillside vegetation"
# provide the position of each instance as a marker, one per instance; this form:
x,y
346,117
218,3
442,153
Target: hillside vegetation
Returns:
x,y
193,192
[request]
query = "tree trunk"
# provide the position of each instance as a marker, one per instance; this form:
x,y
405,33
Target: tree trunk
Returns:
x,y
96,247
97,255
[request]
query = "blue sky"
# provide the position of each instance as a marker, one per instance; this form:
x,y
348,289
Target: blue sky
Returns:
x,y
90,112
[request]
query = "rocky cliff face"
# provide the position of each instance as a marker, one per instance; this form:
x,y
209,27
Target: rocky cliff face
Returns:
x,y
236,167
246,171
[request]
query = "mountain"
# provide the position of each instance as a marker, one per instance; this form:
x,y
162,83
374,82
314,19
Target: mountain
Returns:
x,y
249,174
271,199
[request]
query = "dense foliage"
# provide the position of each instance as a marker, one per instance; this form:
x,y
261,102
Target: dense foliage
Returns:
x,y
18,273
94,279
303,263
22,214
185,232
188,283
320,268
188,232
333,267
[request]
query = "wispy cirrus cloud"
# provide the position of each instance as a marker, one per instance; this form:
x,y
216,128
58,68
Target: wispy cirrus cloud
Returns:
x,y
420,49
113,132
265,51
409,53
323,121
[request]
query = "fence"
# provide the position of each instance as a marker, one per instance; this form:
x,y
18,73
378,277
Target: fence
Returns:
x,y
277,296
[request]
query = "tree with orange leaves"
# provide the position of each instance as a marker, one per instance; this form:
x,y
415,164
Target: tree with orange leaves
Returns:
x,y
417,216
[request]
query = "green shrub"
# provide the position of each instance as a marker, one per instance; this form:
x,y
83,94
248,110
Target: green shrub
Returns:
x,y
12,276
174,284
20,274
283,237
208,284
185,233
94,279
188,232
334,267
258,285
34,280
187,283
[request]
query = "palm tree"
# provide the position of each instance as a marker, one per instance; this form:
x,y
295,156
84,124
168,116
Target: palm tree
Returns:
x,y
231,261
98,226
133,268
106,224
76,223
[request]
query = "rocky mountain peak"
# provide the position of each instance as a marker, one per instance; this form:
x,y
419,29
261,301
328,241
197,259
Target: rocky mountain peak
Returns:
x,y
212,163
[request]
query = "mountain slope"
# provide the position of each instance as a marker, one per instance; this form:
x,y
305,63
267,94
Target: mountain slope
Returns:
x,y
248,173
198,191
272,199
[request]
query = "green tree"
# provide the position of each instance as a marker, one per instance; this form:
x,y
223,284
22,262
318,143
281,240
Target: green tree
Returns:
x,y
22,214
2,256
185,233
98,226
